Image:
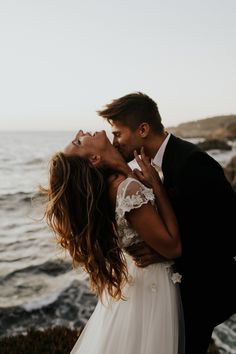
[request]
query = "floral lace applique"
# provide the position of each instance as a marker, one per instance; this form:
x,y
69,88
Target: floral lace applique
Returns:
x,y
174,276
131,195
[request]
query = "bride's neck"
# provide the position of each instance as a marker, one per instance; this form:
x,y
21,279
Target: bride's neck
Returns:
x,y
116,163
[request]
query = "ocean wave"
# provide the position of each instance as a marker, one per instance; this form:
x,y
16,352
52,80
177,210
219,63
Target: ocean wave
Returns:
x,y
35,161
50,268
71,308
10,202
225,336
11,260
20,196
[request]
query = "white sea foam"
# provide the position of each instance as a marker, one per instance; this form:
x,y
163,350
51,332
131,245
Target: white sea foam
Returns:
x,y
53,291
224,347
41,302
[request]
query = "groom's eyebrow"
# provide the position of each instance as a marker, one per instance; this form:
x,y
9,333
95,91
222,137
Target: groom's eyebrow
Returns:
x,y
115,132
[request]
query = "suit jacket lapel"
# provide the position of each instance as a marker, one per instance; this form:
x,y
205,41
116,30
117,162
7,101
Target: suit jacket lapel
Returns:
x,y
168,160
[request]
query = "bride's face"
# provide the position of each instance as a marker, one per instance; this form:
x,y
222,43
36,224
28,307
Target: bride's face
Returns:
x,y
87,144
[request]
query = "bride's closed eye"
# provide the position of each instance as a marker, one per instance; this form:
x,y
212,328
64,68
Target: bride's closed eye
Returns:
x,y
76,142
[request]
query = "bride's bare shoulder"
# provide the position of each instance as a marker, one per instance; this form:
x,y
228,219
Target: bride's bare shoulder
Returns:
x,y
113,182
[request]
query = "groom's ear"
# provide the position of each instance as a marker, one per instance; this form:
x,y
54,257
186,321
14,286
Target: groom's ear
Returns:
x,y
143,130
95,160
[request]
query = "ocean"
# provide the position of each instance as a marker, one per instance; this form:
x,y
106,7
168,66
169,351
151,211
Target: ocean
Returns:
x,y
38,287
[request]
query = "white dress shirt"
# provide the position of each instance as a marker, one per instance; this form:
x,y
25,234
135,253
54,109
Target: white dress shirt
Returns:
x,y
157,160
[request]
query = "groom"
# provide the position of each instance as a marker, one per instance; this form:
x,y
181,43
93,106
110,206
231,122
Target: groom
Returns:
x,y
205,206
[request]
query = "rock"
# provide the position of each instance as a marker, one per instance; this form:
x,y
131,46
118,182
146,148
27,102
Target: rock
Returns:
x,y
230,172
212,144
213,348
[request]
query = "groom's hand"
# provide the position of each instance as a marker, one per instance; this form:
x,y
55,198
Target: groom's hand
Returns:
x,y
143,255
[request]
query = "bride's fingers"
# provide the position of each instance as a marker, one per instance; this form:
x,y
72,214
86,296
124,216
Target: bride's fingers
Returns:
x,y
143,162
142,153
145,158
138,174
139,161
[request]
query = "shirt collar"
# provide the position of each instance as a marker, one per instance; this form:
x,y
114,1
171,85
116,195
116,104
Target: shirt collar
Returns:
x,y
157,160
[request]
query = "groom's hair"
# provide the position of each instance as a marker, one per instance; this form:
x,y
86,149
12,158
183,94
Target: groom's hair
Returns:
x,y
132,110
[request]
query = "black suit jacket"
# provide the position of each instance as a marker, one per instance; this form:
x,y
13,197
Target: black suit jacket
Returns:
x,y
205,206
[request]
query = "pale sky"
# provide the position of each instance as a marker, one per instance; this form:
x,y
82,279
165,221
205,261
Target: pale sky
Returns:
x,y
61,60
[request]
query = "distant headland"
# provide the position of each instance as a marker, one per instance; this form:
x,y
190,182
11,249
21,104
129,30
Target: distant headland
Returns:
x,y
218,127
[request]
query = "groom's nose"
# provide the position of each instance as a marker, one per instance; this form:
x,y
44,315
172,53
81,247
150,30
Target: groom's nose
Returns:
x,y
114,141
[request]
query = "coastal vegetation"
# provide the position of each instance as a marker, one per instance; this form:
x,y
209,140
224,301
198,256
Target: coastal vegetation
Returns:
x,y
57,340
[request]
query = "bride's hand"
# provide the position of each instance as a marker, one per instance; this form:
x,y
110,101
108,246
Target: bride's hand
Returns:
x,y
148,175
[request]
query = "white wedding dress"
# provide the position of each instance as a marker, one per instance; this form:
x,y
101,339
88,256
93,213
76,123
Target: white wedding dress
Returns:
x,y
149,320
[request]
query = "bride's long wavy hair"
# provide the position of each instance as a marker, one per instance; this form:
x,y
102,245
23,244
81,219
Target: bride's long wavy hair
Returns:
x,y
78,211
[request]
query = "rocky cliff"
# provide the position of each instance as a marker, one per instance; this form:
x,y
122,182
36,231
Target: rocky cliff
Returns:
x,y
219,127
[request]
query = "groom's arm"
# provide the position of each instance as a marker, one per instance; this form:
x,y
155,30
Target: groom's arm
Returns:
x,y
143,255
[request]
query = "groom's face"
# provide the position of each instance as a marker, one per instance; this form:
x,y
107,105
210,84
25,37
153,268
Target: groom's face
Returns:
x,y
125,140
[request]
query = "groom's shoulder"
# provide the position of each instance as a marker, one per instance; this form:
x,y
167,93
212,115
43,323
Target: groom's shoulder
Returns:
x,y
182,145
187,152
181,151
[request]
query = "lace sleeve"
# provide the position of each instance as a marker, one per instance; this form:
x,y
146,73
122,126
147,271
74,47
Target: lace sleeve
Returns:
x,y
132,195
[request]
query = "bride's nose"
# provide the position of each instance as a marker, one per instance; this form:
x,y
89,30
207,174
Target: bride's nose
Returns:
x,y
79,134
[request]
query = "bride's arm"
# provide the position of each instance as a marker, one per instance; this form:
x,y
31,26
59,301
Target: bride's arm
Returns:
x,y
149,176
149,224
151,228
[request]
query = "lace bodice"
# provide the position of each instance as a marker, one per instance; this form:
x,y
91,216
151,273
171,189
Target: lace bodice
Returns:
x,y
131,194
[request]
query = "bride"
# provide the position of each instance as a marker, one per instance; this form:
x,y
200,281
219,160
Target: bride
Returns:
x,y
98,209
